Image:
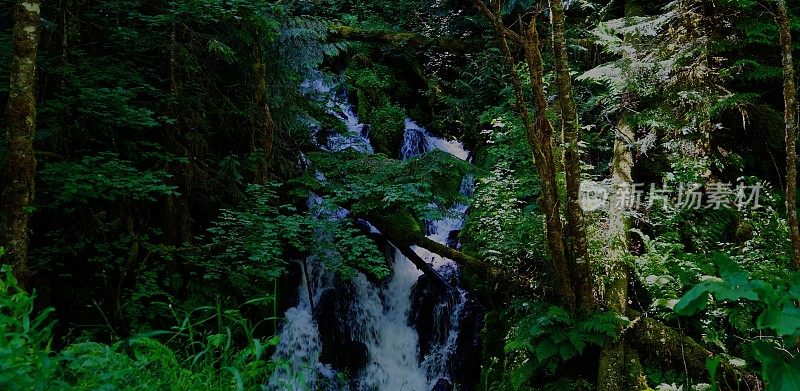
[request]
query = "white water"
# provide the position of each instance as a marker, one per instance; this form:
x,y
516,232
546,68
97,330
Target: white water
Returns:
x,y
435,362
379,314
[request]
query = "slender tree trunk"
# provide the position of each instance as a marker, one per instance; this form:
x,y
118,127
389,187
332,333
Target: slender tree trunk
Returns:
x,y
20,164
176,209
540,144
541,133
263,133
790,118
539,136
619,366
576,233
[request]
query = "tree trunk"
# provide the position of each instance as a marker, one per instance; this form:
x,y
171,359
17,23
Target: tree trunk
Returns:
x,y
619,365
176,207
576,233
539,135
790,118
619,360
20,164
263,133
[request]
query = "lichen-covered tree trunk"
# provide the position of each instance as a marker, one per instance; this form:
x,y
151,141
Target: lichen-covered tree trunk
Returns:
x,y
20,164
263,133
576,232
790,118
619,366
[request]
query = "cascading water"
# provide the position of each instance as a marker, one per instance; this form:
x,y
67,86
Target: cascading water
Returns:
x,y
378,342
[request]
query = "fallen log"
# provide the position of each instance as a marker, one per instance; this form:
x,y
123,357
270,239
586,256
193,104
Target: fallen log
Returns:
x,y
405,39
405,231
420,263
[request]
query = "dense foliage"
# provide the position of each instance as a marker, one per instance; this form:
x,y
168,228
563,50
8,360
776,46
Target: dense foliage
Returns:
x,y
185,180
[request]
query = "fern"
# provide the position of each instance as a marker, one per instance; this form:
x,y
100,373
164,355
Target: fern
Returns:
x,y
302,39
551,336
752,70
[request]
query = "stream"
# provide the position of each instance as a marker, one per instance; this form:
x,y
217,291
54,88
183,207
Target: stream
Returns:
x,y
404,333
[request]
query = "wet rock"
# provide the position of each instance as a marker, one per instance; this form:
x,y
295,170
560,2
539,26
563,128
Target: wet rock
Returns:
x,y
427,298
352,357
287,287
431,312
338,348
465,364
452,239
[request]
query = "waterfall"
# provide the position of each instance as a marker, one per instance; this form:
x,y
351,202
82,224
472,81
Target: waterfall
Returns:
x,y
373,318
447,312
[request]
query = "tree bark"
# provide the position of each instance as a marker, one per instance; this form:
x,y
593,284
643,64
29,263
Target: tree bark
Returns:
x,y
176,208
20,164
263,133
618,359
576,232
790,119
541,134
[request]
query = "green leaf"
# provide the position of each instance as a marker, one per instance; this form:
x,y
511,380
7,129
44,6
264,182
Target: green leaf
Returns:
x,y
518,345
781,372
522,374
784,320
697,298
730,271
712,364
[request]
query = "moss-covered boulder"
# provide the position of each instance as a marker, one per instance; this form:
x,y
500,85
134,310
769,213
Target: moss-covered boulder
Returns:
x,y
387,127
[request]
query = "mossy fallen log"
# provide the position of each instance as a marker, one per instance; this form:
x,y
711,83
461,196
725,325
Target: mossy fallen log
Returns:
x,y
405,39
403,230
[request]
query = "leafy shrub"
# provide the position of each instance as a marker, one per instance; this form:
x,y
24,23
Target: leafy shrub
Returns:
x,y
778,320
550,336
26,361
258,238
104,177
503,225
204,354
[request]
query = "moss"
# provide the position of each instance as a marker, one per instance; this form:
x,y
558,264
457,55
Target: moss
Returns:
x,y
401,226
666,347
744,232
388,125
620,369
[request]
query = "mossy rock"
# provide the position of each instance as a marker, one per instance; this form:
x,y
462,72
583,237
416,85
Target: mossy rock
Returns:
x,y
387,127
